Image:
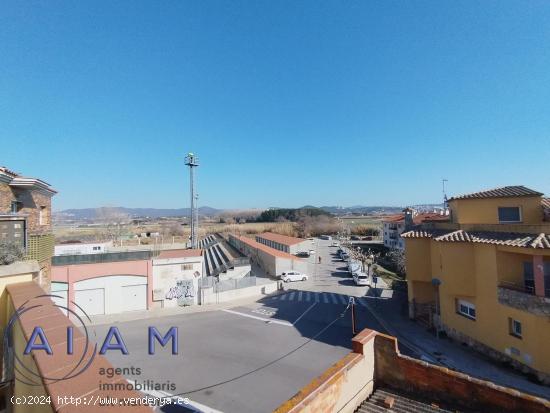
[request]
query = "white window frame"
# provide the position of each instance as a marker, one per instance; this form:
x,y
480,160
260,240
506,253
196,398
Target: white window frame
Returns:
x,y
42,215
467,312
511,222
513,328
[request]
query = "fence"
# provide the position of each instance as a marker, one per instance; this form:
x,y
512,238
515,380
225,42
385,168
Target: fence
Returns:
x,y
100,258
226,285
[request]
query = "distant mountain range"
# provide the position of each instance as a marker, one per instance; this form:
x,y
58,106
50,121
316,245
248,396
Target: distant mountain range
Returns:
x,y
89,214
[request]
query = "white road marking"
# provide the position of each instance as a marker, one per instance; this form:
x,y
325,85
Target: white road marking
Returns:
x,y
304,313
267,320
165,395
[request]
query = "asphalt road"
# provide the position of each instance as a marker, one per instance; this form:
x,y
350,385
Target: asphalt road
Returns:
x,y
252,358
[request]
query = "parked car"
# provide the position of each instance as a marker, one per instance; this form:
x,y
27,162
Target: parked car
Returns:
x,y
335,244
354,266
344,256
355,238
326,237
360,278
311,252
303,254
293,276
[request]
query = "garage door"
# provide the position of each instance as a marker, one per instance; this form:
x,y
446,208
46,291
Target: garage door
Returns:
x,y
91,301
134,297
60,298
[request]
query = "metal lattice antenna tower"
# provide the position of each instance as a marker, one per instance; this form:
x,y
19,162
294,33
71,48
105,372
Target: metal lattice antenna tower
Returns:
x,y
192,162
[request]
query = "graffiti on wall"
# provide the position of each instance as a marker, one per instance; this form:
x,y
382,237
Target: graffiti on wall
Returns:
x,y
183,291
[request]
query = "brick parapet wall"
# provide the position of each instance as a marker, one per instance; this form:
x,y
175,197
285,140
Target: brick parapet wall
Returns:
x,y
86,384
446,386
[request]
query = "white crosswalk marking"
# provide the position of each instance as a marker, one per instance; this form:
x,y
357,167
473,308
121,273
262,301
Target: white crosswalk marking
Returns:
x,y
319,298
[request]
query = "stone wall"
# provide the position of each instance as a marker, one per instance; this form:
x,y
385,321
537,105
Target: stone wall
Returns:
x,y
495,354
526,302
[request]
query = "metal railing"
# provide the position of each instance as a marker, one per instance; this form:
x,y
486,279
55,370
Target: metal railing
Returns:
x,y
517,287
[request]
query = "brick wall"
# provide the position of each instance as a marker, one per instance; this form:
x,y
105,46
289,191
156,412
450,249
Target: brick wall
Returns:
x,y
31,201
446,386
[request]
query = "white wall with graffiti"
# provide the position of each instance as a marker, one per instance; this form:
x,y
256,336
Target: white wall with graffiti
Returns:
x,y
176,281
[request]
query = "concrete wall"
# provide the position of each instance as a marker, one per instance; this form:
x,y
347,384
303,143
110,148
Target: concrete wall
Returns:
x,y
341,388
77,249
168,271
208,296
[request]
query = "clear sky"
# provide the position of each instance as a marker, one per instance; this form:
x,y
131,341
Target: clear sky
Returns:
x,y
286,102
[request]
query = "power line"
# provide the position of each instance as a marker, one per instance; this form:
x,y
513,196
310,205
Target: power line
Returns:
x,y
341,315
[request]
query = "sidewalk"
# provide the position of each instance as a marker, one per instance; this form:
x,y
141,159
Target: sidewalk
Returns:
x,y
392,314
166,312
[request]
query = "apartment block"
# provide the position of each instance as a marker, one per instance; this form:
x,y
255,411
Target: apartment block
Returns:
x,y
484,276
25,218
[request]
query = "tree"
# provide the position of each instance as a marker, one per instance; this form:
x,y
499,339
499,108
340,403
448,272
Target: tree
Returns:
x,y
10,252
114,220
397,259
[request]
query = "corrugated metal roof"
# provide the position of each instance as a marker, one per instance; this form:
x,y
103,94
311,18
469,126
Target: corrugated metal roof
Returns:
x,y
503,192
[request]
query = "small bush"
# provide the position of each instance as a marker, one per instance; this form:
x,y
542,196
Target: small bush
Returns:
x,y
10,252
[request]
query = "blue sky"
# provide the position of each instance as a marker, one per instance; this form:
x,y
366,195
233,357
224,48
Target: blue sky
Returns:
x,y
286,102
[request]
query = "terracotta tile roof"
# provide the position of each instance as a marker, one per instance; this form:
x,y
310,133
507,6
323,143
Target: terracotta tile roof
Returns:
x,y
418,218
281,239
54,323
180,253
503,192
394,218
423,233
266,249
541,240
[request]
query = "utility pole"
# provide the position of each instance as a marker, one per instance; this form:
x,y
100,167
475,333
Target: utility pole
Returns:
x,y
192,162
443,181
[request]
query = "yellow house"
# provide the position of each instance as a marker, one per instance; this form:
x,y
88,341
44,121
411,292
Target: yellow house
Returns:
x,y
483,277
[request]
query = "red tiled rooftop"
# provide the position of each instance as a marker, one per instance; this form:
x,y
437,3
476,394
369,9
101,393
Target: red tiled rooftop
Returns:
x,y
266,249
180,253
503,192
281,239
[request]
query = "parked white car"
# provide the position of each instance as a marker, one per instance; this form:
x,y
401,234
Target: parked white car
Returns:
x,y
360,278
311,252
293,276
